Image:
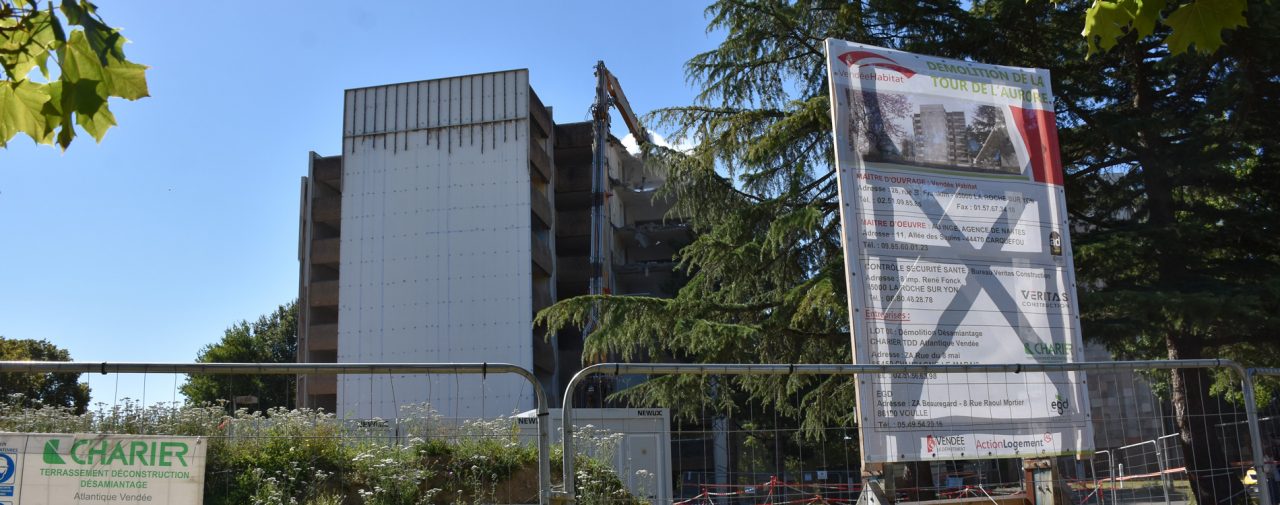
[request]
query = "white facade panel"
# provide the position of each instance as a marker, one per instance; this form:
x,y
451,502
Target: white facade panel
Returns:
x,y
348,112
436,260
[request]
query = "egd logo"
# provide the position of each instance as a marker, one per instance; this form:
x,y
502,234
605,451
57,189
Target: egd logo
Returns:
x,y
1060,404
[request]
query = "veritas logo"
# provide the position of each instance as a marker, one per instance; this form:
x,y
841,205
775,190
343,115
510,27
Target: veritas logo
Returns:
x,y
870,59
1045,296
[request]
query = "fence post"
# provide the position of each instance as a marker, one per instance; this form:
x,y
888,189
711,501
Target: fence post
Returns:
x,y
1111,476
1111,472
1255,436
1160,464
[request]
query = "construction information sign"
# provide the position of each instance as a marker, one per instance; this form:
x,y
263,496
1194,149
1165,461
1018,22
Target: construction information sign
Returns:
x,y
40,469
954,226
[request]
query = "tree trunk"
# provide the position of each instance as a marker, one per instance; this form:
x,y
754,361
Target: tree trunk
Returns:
x,y
1213,479
918,482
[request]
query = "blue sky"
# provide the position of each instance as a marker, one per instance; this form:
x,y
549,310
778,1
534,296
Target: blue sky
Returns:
x,y
184,219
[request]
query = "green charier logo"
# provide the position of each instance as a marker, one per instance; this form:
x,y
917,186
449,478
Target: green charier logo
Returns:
x,y
51,456
117,452
1043,349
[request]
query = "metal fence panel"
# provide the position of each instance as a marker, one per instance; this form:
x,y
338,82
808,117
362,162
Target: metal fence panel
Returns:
x,y
723,455
731,452
387,450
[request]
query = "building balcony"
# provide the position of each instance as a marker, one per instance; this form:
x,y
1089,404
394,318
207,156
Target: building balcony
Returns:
x,y
539,161
541,295
541,254
542,124
328,170
322,337
540,206
323,293
325,251
327,209
321,384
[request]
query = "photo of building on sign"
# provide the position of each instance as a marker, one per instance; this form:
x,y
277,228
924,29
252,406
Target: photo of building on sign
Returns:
x,y
932,132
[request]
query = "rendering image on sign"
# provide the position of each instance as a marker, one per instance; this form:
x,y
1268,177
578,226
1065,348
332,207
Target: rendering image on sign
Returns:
x,y
40,469
956,251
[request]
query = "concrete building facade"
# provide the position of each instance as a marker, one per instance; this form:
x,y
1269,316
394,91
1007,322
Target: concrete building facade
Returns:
x,y
456,210
939,135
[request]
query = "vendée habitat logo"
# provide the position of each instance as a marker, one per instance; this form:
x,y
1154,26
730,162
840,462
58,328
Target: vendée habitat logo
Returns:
x,y
944,443
870,59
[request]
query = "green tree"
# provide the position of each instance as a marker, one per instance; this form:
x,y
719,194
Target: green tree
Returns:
x,y
41,390
90,68
1194,23
273,338
1172,180
1171,164
766,269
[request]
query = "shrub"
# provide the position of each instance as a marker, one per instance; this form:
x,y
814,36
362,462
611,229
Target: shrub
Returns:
x,y
309,457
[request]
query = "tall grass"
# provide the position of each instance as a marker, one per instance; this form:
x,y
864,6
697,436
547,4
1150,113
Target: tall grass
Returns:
x,y
309,457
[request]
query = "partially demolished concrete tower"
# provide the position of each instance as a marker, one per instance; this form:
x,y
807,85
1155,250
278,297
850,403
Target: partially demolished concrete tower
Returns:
x,y
456,210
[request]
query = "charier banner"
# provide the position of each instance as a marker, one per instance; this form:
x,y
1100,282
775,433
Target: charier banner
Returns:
x,y
956,251
40,469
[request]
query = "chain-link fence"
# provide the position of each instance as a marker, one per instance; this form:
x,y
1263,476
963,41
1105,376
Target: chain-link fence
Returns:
x,y
1164,432
1267,382
282,455
1161,432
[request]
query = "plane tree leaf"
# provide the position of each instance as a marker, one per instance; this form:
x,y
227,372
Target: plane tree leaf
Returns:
x,y
1104,24
125,79
25,43
1146,13
1189,23
1200,23
91,69
20,106
84,98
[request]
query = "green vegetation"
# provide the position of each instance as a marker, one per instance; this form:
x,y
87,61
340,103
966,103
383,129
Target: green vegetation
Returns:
x,y
38,390
1171,164
273,338
311,458
90,68
1194,23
